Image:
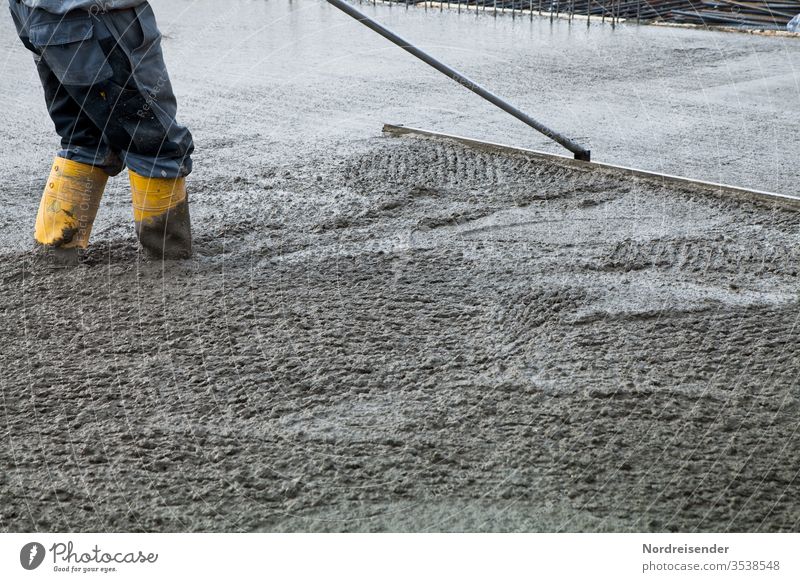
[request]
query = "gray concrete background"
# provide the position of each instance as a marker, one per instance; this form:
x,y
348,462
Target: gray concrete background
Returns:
x,y
381,334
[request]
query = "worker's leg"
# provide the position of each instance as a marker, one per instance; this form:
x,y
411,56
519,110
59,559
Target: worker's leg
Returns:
x,y
81,140
79,174
159,153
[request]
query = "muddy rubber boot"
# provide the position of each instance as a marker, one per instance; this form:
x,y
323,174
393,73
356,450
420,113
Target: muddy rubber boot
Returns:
x,y
67,210
161,212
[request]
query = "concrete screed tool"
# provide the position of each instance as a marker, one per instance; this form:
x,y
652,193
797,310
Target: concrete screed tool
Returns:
x,y
582,156
581,153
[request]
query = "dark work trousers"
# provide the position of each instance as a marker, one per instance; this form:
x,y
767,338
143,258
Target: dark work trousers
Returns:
x,y
107,89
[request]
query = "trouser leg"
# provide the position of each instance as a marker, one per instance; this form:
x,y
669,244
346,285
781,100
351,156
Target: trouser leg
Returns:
x,y
78,176
157,150
81,140
159,159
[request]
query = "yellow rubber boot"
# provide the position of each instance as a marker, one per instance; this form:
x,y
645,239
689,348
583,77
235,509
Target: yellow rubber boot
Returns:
x,y
161,212
69,205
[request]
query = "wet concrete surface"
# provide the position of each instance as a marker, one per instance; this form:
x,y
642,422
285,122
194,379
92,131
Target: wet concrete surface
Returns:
x,y
402,334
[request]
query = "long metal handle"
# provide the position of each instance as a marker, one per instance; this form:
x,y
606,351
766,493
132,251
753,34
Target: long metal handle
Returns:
x,y
580,152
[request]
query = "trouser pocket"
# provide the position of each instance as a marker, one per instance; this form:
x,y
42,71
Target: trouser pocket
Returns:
x,y
68,46
132,123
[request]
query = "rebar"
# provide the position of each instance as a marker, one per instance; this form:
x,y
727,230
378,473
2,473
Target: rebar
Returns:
x,y
773,14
